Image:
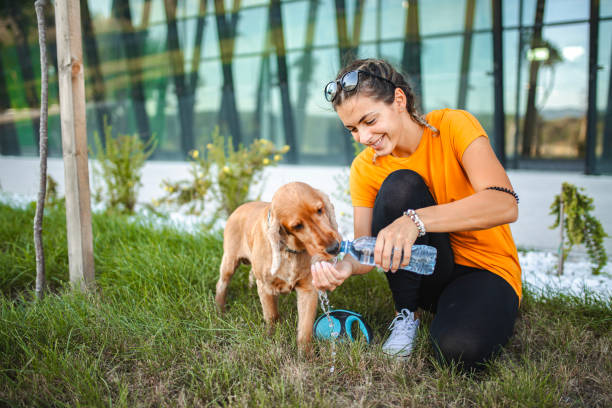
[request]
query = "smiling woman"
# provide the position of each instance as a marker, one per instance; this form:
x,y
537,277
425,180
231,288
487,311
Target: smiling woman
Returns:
x,y
431,180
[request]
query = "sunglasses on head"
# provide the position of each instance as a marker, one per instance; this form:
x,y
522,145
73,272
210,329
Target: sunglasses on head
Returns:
x,y
348,82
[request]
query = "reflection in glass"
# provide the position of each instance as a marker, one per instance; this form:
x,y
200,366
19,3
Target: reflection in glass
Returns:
x,y
256,69
603,147
554,125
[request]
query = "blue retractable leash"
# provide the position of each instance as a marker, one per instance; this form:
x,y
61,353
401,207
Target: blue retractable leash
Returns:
x,y
343,321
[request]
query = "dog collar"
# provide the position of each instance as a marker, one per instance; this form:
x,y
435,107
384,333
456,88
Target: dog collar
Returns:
x,y
286,247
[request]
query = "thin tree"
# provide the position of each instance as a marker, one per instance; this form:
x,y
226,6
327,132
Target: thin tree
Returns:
x,y
42,189
572,212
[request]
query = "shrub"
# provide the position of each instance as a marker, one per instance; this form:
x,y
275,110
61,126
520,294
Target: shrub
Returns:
x,y
119,162
573,211
223,172
52,197
191,192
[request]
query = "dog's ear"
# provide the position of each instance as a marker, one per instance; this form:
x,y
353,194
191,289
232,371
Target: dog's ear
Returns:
x,y
273,232
329,209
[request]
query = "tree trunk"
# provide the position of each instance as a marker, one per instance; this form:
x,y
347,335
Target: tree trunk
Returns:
x,y
561,233
42,186
531,115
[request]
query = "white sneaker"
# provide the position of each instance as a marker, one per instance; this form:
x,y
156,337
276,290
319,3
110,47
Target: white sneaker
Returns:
x,y
403,332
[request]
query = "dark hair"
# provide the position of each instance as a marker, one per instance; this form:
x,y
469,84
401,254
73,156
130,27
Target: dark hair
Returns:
x,y
380,90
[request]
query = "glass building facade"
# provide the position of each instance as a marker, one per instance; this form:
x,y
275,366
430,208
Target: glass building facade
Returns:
x,y
536,73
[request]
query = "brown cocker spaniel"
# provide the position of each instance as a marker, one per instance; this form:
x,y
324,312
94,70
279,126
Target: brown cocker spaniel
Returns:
x,y
280,240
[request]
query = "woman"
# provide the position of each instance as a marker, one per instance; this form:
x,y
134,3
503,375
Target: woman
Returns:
x,y
434,181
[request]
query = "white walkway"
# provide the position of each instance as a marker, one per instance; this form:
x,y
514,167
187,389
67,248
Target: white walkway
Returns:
x,y
536,190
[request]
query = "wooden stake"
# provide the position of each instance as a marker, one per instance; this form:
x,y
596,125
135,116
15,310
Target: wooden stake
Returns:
x,y
74,142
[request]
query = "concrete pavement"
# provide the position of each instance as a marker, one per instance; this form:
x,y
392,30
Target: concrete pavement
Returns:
x,y
535,188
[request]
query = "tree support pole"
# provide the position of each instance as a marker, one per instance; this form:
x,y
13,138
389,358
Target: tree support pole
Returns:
x,y
74,142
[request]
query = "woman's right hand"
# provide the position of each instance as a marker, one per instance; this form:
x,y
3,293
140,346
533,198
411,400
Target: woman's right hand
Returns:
x,y
326,276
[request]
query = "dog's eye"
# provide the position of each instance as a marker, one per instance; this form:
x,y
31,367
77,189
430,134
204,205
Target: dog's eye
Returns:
x,y
320,211
297,227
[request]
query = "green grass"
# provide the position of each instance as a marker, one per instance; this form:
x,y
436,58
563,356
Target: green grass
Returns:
x,y
150,336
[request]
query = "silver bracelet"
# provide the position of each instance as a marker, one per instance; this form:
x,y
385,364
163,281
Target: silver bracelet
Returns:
x,y
417,221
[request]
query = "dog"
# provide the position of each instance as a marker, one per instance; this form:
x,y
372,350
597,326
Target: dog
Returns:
x,y
280,240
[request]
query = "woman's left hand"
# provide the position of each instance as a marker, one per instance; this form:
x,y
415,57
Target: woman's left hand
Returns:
x,y
399,236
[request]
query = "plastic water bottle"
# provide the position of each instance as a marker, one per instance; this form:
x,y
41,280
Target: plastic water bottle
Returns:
x,y
422,260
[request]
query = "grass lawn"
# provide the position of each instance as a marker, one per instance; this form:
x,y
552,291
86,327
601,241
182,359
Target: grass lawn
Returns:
x,y
150,336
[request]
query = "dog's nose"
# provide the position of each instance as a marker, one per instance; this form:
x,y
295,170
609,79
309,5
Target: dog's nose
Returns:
x,y
333,249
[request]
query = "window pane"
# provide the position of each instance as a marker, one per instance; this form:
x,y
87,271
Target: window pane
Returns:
x,y
480,83
511,39
510,13
325,28
605,8
603,148
440,62
449,16
251,30
295,19
565,10
556,129
483,15
321,136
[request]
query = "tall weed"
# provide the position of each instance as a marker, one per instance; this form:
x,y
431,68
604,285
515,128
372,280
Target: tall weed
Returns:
x,y
119,163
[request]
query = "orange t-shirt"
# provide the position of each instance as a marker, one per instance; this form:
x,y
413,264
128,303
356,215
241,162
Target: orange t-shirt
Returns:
x,y
438,160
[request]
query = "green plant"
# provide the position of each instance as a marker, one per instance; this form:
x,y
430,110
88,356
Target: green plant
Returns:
x,y
578,226
52,198
223,171
120,161
191,192
238,170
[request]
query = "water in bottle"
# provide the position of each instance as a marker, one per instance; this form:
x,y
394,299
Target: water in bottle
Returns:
x,y
422,259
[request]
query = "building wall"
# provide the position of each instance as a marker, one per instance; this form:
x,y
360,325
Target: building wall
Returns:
x,y
176,71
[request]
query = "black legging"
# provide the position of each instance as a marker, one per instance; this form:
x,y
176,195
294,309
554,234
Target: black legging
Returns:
x,y
474,309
